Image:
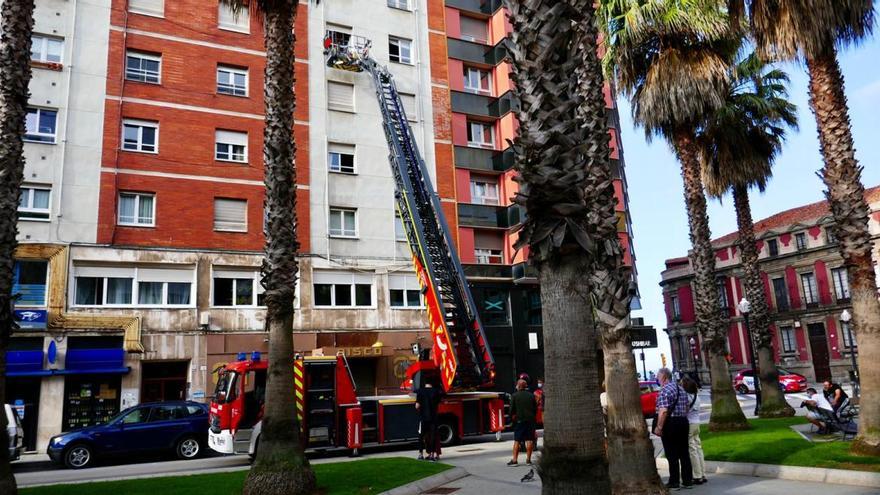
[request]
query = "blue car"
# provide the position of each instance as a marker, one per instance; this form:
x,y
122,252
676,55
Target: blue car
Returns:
x,y
180,427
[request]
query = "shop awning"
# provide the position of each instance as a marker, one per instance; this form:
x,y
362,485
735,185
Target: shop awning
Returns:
x,y
29,373
18,362
78,362
93,371
94,359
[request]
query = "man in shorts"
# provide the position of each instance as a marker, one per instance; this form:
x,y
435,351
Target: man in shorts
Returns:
x,y
523,409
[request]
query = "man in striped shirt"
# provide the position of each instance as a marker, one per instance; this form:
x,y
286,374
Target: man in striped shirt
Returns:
x,y
672,428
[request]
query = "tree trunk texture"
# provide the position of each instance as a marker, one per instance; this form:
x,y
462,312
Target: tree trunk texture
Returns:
x,y
846,197
726,413
16,25
281,466
573,459
773,404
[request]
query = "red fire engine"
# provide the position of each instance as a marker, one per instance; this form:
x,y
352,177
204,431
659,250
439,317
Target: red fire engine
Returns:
x,y
331,414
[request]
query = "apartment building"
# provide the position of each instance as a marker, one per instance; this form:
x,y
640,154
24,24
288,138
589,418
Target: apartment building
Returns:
x,y
806,286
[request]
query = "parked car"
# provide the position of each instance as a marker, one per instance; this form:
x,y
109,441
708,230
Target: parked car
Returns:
x,y
179,426
15,432
649,390
744,382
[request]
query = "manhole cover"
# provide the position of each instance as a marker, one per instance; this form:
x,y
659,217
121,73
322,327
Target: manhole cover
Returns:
x,y
441,491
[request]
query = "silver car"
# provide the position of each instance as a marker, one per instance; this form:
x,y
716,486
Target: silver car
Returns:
x,y
15,432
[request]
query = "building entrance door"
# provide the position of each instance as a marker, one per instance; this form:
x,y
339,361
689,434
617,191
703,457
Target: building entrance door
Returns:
x,y
163,381
27,390
819,348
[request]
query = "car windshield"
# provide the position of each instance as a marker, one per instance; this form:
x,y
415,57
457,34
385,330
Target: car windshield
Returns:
x,y
783,371
118,415
225,390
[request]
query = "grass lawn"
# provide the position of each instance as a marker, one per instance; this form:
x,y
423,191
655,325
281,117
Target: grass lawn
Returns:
x,y
771,441
342,478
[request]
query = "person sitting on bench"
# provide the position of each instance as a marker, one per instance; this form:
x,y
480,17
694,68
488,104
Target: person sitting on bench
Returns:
x,y
817,401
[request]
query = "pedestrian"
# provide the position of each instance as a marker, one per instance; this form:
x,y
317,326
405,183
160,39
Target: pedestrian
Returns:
x,y
695,446
672,428
834,394
427,406
523,409
539,399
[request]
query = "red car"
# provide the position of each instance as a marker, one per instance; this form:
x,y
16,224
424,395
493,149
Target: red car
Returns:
x,y
649,390
744,382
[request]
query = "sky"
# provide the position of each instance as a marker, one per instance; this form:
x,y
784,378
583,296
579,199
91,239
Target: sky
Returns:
x,y
655,187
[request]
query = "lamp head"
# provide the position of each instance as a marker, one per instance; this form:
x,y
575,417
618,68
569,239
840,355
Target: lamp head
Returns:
x,y
744,306
846,316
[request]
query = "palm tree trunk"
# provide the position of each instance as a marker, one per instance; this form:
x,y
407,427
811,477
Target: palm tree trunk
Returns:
x,y
846,196
573,458
281,466
726,413
773,404
16,25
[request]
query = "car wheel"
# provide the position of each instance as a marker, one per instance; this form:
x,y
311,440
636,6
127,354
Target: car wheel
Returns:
x,y
188,448
78,456
742,389
447,434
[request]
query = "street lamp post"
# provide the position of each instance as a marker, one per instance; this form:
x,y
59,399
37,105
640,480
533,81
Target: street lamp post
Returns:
x,y
745,307
846,317
644,369
696,355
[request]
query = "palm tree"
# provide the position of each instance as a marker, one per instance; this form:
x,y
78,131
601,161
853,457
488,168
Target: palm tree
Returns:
x,y
16,25
562,136
281,466
813,30
671,58
738,145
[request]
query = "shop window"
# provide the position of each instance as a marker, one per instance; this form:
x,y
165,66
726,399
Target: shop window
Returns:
x,y
405,291
92,399
29,279
341,289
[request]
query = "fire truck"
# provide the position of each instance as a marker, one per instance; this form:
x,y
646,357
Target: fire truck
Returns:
x,y
330,412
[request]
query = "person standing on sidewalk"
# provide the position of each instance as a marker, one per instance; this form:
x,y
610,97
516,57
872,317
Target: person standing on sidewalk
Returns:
x,y
523,409
428,405
672,428
695,446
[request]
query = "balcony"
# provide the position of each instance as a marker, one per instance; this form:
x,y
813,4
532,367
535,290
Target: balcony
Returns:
x,y
477,53
488,271
491,216
483,105
482,159
488,7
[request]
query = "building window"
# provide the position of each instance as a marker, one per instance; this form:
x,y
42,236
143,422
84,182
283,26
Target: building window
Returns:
x,y
811,291
399,230
232,81
841,283
488,256
148,7
230,215
476,30
786,335
484,190
103,291
781,293
722,293
404,291
137,209
140,286
409,106
237,288
493,306
340,158
343,222
33,203
848,337
829,236
29,280
676,308
399,4
481,134
339,35
477,80
234,21
400,50
230,146
46,49
773,247
800,241
140,135
342,289
40,125
143,67
340,96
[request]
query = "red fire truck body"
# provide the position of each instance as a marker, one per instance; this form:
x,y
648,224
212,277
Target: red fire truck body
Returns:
x,y
330,413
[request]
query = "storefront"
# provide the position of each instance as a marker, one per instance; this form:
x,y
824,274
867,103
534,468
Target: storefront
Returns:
x,y
92,376
24,376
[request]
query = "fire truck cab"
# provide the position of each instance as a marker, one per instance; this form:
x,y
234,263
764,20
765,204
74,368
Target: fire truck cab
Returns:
x,y
330,413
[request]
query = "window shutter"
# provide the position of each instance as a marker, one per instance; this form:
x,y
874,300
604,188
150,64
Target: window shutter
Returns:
x,y
226,19
231,137
230,214
340,96
154,7
474,30
488,240
409,105
164,275
234,272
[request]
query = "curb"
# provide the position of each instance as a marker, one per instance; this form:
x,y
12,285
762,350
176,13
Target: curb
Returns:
x,y
791,473
420,486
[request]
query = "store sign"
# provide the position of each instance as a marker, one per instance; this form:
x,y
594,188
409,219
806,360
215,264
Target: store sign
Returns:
x,y
643,337
31,319
361,351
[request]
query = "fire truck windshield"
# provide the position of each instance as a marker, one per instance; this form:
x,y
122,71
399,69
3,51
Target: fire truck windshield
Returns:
x,y
225,391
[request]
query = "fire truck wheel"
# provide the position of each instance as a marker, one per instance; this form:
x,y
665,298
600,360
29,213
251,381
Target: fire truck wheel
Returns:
x,y
447,432
188,448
